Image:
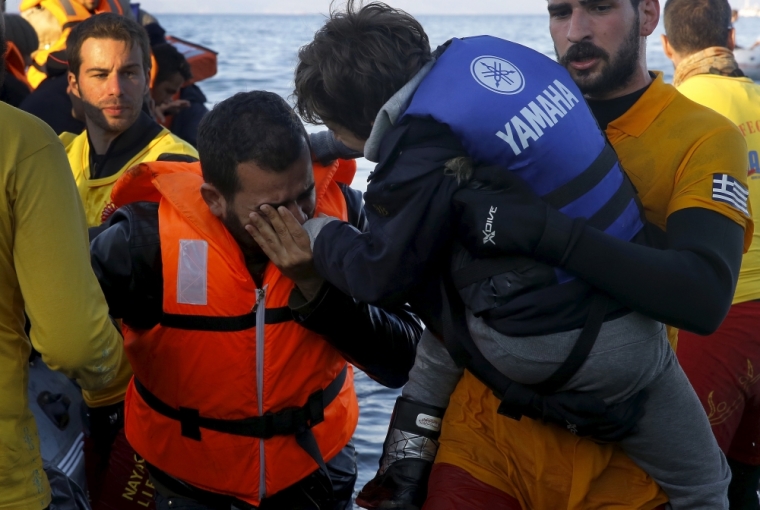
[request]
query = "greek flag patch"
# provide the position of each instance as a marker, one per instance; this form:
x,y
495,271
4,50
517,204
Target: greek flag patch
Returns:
x,y
730,191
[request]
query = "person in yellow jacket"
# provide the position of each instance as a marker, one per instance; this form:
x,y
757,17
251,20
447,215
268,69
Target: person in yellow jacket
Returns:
x,y
109,69
53,21
45,270
699,41
109,66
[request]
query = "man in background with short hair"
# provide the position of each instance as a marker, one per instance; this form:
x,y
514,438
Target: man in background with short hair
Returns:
x,y
109,70
723,367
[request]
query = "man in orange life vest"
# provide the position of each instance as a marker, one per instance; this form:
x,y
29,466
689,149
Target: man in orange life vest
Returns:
x,y
242,395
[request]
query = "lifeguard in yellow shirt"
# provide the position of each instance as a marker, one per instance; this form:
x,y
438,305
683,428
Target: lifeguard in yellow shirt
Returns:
x,y
45,270
724,367
109,70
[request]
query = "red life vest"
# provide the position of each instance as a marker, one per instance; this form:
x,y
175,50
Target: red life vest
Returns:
x,y
224,380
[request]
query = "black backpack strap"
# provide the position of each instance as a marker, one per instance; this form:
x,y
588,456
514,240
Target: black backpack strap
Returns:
x,y
581,349
515,398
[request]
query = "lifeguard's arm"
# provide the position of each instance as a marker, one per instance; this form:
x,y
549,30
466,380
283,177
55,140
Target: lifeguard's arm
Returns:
x,y
409,213
70,324
690,285
380,341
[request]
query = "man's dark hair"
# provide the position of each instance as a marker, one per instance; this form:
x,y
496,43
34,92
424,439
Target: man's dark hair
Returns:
x,y
695,25
257,127
107,26
169,62
357,61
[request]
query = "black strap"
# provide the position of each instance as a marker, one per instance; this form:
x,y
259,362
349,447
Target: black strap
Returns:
x,y
225,324
516,398
614,207
285,422
586,181
581,349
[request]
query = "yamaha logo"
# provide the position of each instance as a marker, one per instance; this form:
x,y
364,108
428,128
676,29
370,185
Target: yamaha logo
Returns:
x,y
497,75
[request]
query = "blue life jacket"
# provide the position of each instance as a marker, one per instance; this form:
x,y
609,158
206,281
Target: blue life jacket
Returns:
x,y
513,107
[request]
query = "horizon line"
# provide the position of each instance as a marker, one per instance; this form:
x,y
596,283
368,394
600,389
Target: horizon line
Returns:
x,y
312,13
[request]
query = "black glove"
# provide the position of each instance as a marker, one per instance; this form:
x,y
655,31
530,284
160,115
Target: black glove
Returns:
x,y
326,149
587,416
408,453
501,215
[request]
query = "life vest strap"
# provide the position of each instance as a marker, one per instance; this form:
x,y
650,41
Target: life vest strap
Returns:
x,y
585,181
614,207
288,421
225,324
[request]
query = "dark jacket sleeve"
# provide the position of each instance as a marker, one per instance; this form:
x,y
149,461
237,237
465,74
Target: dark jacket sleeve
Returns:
x,y
689,285
409,212
380,341
126,258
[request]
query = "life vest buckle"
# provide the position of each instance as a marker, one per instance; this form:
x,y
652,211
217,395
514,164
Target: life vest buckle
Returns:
x,y
189,420
316,407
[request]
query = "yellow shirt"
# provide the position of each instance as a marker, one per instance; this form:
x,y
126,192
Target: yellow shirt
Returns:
x,y
739,100
45,269
96,193
670,147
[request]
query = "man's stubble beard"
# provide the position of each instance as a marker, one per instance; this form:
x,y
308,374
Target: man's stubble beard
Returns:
x,y
232,223
616,74
95,115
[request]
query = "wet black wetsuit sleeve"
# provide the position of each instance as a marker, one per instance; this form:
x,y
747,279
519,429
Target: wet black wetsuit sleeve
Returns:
x,y
126,259
689,285
380,341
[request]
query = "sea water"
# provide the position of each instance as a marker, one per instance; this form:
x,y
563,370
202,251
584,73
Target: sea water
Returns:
x,y
259,52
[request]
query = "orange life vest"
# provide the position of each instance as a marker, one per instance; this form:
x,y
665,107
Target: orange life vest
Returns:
x,y
68,13
201,59
14,63
226,378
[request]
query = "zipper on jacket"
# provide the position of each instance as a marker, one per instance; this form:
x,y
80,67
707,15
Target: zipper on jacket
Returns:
x,y
261,301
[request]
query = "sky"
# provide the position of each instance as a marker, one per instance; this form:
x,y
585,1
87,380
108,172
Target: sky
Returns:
x,y
322,6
